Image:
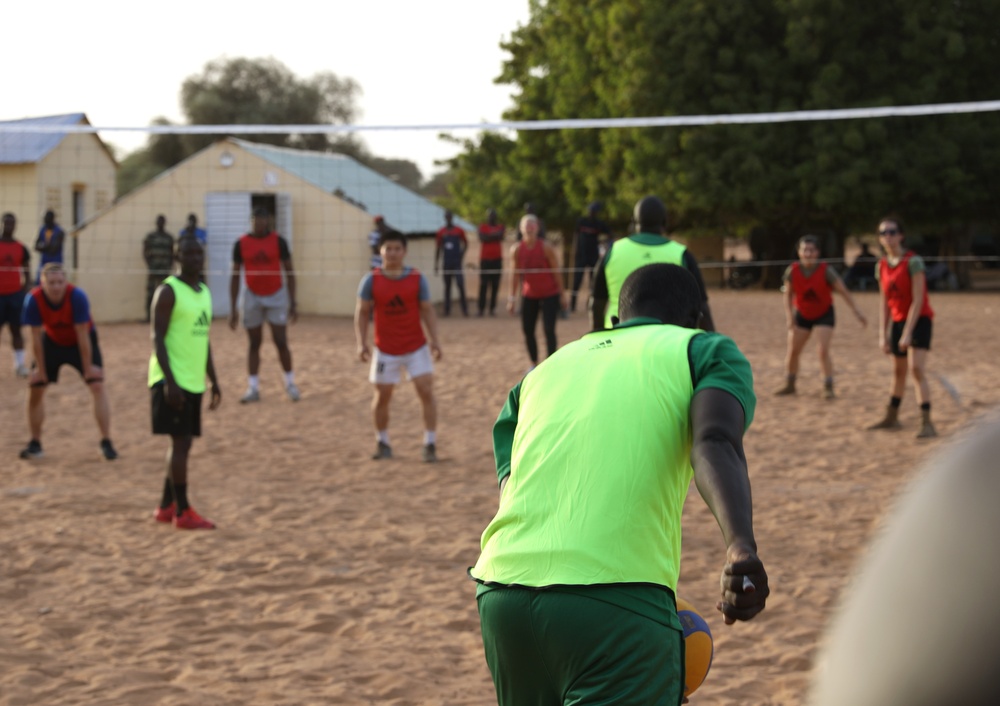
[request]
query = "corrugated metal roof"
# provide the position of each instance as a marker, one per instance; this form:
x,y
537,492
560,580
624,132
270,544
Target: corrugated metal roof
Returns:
x,y
338,174
30,147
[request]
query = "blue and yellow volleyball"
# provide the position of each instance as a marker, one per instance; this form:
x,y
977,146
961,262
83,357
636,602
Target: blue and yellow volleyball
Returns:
x,y
698,646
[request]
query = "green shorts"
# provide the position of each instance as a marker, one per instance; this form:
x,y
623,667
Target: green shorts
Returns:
x,y
549,648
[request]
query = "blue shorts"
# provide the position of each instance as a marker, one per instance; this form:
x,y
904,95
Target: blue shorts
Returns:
x,y
10,309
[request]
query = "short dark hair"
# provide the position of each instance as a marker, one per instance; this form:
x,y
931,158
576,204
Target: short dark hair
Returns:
x,y
392,235
666,292
894,219
812,239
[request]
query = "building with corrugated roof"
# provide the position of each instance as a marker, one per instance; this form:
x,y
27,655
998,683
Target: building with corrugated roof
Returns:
x,y
323,203
70,173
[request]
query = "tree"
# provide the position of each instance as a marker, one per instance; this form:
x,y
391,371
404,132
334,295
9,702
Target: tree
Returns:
x,y
261,92
634,58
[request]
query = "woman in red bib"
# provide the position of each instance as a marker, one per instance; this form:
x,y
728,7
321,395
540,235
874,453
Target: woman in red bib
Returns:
x,y
535,268
809,288
904,323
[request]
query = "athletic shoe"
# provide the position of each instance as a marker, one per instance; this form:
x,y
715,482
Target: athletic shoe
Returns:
x,y
788,389
293,392
189,519
828,393
429,453
383,450
251,395
21,371
32,450
165,514
108,450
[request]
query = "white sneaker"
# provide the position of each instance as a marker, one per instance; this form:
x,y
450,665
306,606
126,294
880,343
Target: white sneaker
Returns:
x,y
293,392
252,395
21,371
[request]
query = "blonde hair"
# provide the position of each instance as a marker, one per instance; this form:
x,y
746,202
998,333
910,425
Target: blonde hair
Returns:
x,y
51,267
525,218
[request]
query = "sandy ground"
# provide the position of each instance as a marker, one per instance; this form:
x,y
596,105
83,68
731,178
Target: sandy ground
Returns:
x,y
336,579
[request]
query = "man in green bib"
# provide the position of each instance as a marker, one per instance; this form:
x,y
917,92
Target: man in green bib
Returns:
x,y
579,567
182,357
646,246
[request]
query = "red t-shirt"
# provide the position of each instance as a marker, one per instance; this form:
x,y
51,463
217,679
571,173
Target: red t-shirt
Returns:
x,y
812,296
492,250
538,280
261,259
396,304
14,258
897,284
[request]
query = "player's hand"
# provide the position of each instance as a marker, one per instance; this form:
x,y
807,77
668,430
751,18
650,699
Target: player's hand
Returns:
x,y
743,583
93,374
884,345
38,378
564,300
511,305
174,396
234,320
364,354
293,314
904,341
436,351
861,319
216,399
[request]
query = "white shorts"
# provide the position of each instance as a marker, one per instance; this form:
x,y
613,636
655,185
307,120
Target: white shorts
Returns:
x,y
257,309
385,367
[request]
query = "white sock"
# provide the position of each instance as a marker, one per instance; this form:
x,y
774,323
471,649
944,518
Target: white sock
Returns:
x,y
383,436
253,381
289,378
430,437
19,357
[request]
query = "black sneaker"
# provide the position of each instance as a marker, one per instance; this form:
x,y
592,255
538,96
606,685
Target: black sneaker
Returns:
x,y
429,453
32,450
383,450
108,450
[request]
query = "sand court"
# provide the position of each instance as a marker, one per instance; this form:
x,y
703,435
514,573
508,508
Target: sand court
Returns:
x,y
336,579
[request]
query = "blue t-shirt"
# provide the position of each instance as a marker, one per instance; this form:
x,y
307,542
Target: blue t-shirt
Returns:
x,y
31,315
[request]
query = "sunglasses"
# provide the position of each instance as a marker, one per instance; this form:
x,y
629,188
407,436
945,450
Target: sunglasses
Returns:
x,y
889,231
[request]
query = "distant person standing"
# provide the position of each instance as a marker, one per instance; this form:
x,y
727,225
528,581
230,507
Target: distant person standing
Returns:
x,y
808,297
589,230
375,241
63,333
181,358
158,252
268,296
648,245
193,231
15,282
50,241
452,243
534,268
491,235
905,324
400,299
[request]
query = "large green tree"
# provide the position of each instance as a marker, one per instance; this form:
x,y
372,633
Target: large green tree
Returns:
x,y
633,58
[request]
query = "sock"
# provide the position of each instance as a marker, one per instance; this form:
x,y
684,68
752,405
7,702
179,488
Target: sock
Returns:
x,y
895,402
289,378
430,437
181,497
925,407
828,381
791,377
383,436
19,357
253,381
168,493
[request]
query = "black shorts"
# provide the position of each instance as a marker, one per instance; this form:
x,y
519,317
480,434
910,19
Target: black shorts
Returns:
x,y
10,309
921,335
57,356
827,319
167,420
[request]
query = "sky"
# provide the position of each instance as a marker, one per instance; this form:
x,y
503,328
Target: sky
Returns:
x,y
123,63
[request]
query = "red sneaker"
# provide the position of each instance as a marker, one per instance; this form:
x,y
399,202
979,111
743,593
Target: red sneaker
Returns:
x,y
165,514
189,519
